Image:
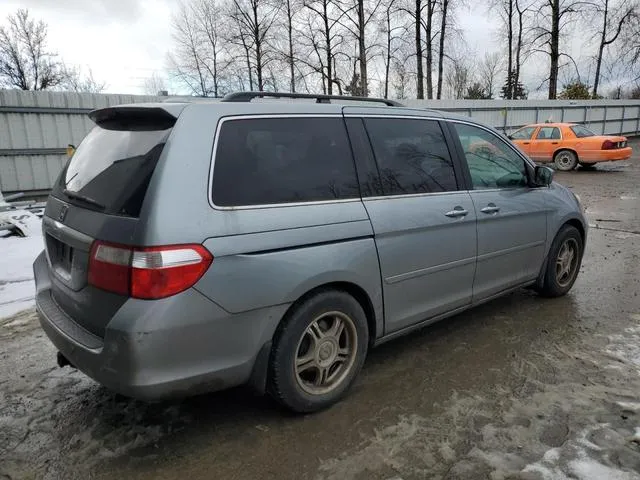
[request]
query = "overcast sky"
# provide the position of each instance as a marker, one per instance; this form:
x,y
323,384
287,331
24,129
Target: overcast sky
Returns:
x,y
126,41
122,41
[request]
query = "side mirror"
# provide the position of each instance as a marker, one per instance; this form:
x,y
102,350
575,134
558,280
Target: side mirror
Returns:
x,y
543,176
510,137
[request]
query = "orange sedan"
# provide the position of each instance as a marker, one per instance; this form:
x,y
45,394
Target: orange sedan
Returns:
x,y
569,144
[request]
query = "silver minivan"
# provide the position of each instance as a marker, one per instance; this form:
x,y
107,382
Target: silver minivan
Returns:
x,y
196,246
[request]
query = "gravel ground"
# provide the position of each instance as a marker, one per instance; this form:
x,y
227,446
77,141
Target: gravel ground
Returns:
x,y
520,388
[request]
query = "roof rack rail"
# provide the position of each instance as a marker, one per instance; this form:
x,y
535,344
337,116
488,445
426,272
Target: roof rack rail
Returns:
x,y
248,96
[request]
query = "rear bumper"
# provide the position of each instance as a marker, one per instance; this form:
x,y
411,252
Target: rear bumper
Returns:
x,y
594,156
174,347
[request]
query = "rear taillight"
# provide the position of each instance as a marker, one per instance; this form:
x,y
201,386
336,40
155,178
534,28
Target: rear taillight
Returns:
x,y
110,267
608,145
159,272
147,272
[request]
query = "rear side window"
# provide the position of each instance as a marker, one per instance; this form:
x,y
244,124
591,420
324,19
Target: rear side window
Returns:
x,y
549,133
412,156
282,160
111,169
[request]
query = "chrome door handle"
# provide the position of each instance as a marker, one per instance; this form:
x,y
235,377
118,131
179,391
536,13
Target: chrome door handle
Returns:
x,y
457,212
491,208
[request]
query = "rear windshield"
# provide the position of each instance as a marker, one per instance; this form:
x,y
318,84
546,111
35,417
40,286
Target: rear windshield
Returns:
x,y
111,169
582,132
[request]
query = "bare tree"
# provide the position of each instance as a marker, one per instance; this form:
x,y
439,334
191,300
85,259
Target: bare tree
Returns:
x,y
154,84
458,77
210,23
76,81
400,79
522,9
389,27
612,22
422,26
514,16
430,37
255,20
554,17
187,60
25,61
444,5
325,37
357,15
290,10
450,37
488,71
201,58
417,23
631,41
507,8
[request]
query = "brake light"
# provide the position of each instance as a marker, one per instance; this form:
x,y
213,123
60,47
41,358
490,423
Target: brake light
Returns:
x,y
147,272
109,267
608,145
159,272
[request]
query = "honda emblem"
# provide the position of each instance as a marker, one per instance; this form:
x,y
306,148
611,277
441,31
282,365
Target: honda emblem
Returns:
x,y
63,213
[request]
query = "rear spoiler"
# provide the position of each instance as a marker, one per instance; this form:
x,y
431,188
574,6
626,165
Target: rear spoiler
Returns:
x,y
137,118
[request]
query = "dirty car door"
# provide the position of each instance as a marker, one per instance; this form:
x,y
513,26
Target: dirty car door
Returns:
x,y
424,226
512,215
546,142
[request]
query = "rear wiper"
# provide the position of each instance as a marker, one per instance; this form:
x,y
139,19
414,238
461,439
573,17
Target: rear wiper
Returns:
x,y
83,198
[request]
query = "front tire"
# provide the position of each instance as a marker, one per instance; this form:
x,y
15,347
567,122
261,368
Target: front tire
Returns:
x,y
565,160
318,351
563,262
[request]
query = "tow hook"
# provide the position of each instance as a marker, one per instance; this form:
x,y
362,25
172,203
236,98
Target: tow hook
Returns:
x,y
64,361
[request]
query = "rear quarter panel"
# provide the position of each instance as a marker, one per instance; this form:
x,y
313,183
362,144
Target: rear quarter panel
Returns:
x,y
262,256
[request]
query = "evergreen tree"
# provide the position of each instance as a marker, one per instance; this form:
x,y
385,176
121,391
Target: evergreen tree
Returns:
x,y
513,91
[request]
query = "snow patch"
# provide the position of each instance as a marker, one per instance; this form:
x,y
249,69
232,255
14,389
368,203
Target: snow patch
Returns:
x,y
626,347
586,468
629,406
577,459
17,289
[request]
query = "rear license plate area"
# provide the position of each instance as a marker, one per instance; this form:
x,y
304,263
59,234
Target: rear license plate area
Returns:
x,y
61,256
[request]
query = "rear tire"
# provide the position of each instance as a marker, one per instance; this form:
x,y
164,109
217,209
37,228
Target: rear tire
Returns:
x,y
565,160
563,262
318,351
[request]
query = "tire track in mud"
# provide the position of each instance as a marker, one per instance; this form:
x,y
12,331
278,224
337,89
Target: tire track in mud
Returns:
x,y
584,426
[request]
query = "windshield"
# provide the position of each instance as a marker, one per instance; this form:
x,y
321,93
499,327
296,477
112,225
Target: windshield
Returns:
x,y
581,131
112,168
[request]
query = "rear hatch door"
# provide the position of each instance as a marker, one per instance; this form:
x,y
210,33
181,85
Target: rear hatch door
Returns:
x,y
100,195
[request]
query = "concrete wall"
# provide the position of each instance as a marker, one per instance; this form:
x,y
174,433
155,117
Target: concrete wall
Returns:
x,y
36,127
615,117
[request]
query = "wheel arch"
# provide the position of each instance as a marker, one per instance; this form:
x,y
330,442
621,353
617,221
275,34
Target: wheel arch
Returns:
x,y
260,375
574,222
352,289
563,149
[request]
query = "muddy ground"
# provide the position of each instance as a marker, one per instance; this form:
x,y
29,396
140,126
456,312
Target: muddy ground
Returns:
x,y
521,388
